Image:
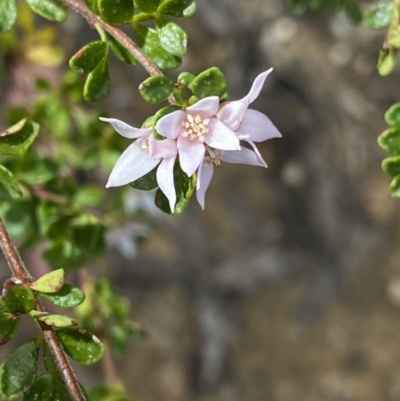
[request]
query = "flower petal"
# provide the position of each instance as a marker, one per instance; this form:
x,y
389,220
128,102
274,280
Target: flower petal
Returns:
x,y
205,174
165,179
231,113
257,126
191,154
243,156
206,107
257,152
170,125
257,86
125,129
162,149
132,164
221,137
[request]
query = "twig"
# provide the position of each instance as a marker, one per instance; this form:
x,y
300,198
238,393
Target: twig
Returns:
x,y
125,41
19,271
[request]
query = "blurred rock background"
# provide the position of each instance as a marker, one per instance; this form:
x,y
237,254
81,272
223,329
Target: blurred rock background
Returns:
x,y
287,286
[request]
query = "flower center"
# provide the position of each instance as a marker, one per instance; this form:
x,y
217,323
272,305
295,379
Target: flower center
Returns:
x,y
213,157
195,127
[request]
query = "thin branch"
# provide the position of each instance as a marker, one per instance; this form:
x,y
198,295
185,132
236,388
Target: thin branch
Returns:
x,y
125,41
19,271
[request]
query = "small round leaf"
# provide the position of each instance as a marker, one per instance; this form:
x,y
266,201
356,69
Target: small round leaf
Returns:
x,y
19,369
391,165
53,10
18,298
50,282
392,116
98,83
156,89
9,188
379,15
54,319
211,82
185,79
8,15
89,57
386,61
116,12
147,6
42,389
68,297
178,8
389,140
8,326
395,187
172,37
147,182
81,346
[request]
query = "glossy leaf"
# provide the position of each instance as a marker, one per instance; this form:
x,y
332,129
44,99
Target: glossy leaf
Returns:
x,y
53,10
147,182
386,61
8,14
42,389
185,79
149,41
147,6
116,12
89,57
56,320
120,51
19,369
211,82
392,116
98,83
178,8
8,326
18,138
391,165
50,282
379,15
18,298
81,346
9,188
389,140
68,297
172,37
156,89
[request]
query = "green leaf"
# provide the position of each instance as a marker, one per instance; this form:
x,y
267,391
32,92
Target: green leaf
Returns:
x,y
147,6
391,165
120,51
17,217
389,140
379,15
17,139
18,298
178,8
211,82
147,182
172,37
88,196
8,326
42,389
156,89
8,14
88,233
50,282
386,61
353,11
108,392
19,369
9,188
116,12
37,170
53,10
64,254
81,346
185,79
93,5
395,187
60,321
89,57
392,116
149,41
68,297
98,83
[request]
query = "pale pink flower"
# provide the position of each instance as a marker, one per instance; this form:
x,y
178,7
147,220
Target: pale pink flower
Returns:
x,y
249,126
195,128
142,156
